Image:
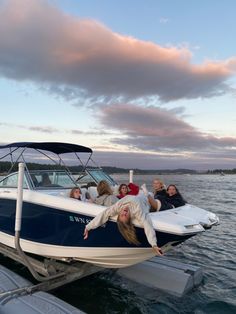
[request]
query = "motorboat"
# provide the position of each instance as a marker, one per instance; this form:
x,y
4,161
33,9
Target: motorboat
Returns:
x,y
53,223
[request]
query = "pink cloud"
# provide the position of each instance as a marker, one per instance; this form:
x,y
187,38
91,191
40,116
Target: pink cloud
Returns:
x,y
198,161
82,58
157,129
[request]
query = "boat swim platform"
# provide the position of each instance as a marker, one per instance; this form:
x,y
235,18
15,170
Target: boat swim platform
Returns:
x,y
38,302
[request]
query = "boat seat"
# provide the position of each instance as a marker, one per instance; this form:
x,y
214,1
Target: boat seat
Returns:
x,y
92,192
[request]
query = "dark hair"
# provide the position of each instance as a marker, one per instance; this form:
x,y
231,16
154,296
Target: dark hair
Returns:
x,y
177,191
121,186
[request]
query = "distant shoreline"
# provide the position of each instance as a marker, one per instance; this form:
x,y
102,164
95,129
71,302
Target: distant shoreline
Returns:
x,y
5,166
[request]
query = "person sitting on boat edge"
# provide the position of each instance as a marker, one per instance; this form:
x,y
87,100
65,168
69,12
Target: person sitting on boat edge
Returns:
x,y
77,194
130,189
128,208
174,196
159,200
123,191
105,195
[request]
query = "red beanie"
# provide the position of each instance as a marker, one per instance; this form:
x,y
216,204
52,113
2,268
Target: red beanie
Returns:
x,y
134,189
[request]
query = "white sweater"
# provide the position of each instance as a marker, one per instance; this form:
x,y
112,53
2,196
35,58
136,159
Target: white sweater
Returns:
x,y
139,209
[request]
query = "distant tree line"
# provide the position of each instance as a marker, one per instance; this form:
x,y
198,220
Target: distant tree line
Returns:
x,y
222,171
5,166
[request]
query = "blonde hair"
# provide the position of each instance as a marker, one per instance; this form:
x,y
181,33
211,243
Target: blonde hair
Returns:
x,y
104,188
163,186
128,231
73,191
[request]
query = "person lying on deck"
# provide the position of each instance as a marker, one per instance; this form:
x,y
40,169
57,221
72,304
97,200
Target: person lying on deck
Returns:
x,y
127,209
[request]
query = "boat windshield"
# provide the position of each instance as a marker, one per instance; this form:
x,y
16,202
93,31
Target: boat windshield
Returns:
x,y
48,179
93,177
11,181
44,179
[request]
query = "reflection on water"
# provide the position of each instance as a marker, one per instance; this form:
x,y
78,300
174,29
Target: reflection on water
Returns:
x,y
213,250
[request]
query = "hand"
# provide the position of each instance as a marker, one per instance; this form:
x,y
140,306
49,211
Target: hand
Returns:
x,y
85,233
157,250
144,189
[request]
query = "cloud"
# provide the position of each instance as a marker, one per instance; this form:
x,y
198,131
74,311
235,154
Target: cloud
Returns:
x,y
157,129
197,161
81,58
96,132
44,129
163,20
50,130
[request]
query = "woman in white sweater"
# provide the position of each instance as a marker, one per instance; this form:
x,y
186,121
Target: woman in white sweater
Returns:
x,y
127,209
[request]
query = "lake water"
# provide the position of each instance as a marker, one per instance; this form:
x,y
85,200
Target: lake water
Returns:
x,y
213,250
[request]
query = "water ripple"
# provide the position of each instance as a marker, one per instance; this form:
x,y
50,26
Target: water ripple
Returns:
x,y
213,250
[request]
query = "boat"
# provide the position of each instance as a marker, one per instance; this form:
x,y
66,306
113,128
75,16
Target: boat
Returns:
x,y
53,223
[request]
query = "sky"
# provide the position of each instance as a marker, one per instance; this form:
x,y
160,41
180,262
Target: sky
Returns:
x,y
147,84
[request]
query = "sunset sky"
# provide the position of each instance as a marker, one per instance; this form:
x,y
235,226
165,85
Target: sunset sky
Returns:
x,y
146,84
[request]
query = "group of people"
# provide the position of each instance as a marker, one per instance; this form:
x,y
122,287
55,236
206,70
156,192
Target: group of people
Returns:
x,y
129,204
160,199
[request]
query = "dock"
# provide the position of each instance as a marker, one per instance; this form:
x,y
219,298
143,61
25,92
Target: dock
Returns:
x,y
18,295
25,302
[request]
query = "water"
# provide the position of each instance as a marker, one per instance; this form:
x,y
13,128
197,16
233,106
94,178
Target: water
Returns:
x,y
213,250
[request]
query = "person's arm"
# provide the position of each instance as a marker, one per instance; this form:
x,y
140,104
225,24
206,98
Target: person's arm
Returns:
x,y
150,234
101,218
156,204
149,230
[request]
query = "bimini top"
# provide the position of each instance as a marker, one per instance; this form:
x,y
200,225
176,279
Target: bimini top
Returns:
x,y
54,147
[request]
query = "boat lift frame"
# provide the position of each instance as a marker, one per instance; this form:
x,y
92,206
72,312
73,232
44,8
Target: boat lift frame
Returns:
x,y
50,273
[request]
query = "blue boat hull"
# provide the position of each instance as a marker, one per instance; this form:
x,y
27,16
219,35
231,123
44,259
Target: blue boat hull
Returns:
x,y
62,228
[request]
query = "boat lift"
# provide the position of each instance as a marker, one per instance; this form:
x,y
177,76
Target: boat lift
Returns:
x,y
50,273
158,273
